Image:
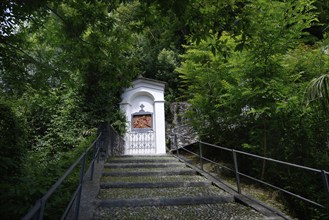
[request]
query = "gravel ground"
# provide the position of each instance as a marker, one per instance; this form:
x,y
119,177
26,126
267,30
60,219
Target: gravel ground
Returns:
x,y
160,192
228,211
138,179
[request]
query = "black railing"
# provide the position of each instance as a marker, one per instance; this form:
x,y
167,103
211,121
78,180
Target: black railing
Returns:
x,y
238,174
108,142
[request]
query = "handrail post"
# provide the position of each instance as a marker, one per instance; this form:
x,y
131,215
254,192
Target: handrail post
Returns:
x,y
122,144
200,154
236,169
111,137
78,198
326,185
98,149
93,161
176,144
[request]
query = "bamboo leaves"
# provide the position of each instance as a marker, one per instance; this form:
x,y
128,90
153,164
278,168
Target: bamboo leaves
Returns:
x,y
318,91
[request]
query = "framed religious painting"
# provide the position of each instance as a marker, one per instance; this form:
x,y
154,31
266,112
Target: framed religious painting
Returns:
x,y
142,120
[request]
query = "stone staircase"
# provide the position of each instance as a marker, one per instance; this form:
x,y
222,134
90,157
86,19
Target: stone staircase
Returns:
x,y
162,187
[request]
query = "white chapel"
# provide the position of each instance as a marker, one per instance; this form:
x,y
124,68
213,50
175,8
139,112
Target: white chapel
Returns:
x,y
143,105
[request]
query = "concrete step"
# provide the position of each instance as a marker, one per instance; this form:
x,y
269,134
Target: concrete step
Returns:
x,y
154,184
151,173
163,188
143,165
136,179
143,169
143,160
173,192
218,211
165,201
156,187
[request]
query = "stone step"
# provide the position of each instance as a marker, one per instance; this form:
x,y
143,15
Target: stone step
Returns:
x,y
219,211
174,192
154,184
165,201
135,179
143,165
141,157
141,169
152,173
146,187
160,160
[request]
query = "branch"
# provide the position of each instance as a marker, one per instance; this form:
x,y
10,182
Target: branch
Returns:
x,y
32,59
56,13
20,50
96,46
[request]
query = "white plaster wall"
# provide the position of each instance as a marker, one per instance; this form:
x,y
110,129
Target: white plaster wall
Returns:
x,y
160,127
145,100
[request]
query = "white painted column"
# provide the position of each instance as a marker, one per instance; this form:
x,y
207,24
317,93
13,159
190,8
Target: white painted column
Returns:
x,y
159,113
126,109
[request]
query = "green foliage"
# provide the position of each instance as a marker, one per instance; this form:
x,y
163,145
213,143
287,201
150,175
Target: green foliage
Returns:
x,y
245,70
245,88
247,91
65,124
12,150
56,126
64,68
120,124
12,142
215,88
319,90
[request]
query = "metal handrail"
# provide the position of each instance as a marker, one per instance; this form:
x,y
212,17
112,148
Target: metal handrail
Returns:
x,y
283,190
324,174
37,211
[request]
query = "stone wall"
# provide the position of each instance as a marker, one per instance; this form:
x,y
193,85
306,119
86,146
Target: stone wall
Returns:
x,y
179,126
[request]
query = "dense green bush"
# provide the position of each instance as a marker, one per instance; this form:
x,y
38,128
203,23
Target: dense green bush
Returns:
x,y
12,154
12,142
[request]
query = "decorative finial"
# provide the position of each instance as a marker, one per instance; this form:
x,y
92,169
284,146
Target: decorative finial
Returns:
x,y
142,108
